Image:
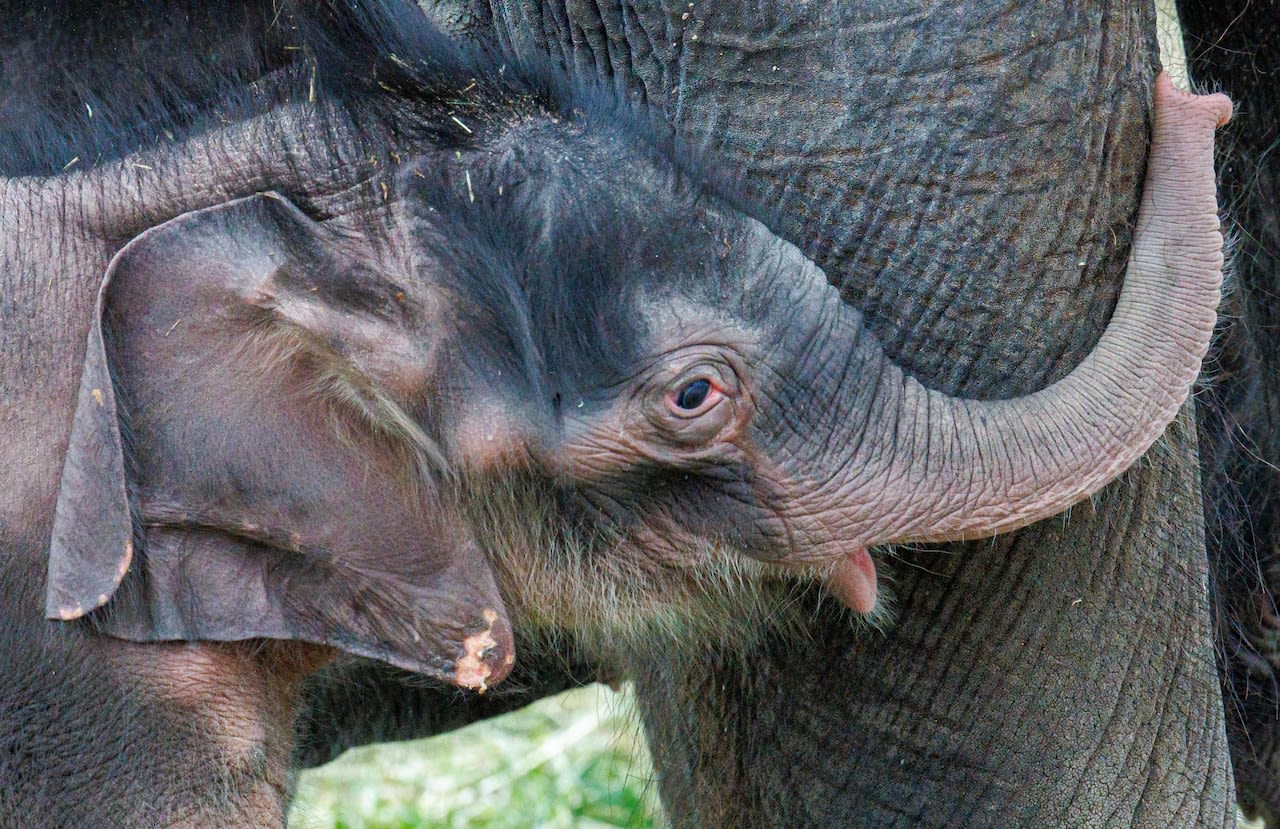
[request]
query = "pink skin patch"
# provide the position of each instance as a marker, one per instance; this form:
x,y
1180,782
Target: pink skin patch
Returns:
x,y
471,671
853,581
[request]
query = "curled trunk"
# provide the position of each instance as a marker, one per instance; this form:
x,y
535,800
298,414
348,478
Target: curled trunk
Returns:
x,y
968,468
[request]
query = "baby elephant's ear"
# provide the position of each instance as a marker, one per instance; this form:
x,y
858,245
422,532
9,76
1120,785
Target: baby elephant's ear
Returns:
x,y
249,456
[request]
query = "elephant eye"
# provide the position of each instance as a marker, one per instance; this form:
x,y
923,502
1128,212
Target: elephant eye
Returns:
x,y
695,398
693,395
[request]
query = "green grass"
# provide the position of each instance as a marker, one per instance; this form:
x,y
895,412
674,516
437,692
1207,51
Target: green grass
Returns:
x,y
574,760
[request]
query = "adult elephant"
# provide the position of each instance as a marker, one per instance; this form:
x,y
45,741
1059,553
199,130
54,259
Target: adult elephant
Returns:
x,y
951,717
969,176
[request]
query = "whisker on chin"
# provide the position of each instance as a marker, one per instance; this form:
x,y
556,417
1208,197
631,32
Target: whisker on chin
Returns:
x,y
614,598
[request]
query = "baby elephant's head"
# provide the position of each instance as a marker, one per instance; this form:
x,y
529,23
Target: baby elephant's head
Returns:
x,y
543,364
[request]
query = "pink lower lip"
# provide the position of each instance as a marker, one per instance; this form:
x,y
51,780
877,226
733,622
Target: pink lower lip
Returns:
x,y
853,581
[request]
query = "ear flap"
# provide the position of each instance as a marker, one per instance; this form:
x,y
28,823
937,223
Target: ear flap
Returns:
x,y
256,450
92,545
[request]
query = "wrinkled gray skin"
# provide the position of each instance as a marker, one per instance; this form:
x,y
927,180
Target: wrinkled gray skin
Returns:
x,y
862,700
1061,675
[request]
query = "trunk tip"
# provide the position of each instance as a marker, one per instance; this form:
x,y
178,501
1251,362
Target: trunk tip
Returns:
x,y
1168,97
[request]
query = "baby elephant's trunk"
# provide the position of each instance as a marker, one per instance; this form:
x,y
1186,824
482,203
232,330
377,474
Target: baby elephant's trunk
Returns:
x,y
943,468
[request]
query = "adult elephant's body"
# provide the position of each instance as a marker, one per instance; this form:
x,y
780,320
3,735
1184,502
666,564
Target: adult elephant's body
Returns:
x,y
953,171
970,176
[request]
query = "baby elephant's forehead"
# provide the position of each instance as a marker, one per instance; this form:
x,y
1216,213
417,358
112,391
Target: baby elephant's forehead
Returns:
x,y
668,320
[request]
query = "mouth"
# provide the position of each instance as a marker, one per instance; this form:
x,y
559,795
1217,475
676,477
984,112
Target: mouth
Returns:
x,y
852,580
849,577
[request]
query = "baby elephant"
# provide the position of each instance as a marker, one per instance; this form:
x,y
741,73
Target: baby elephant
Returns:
x,y
539,359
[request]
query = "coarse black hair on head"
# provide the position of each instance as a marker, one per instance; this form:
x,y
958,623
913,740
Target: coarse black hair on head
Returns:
x,y
388,64
83,83
400,78
404,84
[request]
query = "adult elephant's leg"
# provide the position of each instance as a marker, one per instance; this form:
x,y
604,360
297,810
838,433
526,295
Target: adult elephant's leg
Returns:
x,y
970,176
1236,45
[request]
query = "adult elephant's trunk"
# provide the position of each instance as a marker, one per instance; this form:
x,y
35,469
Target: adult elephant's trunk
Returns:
x,y
950,469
